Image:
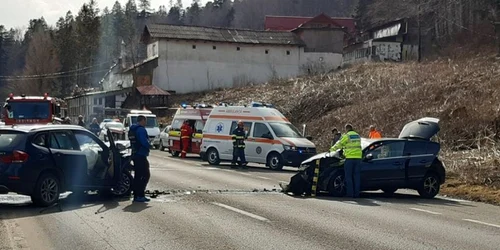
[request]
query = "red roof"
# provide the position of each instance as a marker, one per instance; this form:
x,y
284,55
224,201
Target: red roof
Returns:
x,y
151,90
288,23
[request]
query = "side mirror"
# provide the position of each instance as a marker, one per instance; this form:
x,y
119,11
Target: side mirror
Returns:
x,y
7,107
309,137
368,157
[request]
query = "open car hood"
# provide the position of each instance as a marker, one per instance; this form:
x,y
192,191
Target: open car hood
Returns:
x,y
335,154
424,128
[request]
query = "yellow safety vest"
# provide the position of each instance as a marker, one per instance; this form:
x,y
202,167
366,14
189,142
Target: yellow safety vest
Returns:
x,y
350,142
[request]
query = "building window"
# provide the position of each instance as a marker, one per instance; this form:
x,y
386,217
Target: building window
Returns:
x,y
95,101
100,101
238,48
288,52
267,51
155,52
214,47
194,46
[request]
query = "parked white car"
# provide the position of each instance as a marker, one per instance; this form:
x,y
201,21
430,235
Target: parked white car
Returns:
x,y
164,138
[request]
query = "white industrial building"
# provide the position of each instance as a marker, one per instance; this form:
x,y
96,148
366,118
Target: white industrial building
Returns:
x,y
185,59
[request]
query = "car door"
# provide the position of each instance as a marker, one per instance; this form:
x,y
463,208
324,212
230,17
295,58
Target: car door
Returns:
x,y
68,157
259,142
420,159
197,136
387,166
43,157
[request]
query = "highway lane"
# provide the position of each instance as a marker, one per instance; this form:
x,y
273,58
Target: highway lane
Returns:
x,y
206,207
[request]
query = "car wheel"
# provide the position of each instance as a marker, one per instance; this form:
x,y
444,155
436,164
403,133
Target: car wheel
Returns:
x,y
336,185
162,148
274,161
124,186
46,191
389,191
174,153
430,186
213,156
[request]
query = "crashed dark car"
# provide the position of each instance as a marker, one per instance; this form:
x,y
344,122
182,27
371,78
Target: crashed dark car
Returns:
x,y
410,161
43,161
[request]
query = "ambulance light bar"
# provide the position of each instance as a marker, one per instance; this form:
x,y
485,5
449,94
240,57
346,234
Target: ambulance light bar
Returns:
x,y
261,104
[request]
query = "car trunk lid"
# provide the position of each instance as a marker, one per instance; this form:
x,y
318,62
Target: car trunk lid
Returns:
x,y
424,128
12,145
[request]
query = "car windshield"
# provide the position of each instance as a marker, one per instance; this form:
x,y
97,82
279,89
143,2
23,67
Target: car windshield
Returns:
x,y
285,130
29,110
114,125
151,121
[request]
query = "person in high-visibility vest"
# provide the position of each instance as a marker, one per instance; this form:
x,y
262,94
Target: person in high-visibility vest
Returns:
x,y
350,143
239,136
374,133
186,132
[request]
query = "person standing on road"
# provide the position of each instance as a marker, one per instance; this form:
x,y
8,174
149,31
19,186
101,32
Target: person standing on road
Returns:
x,y
186,132
94,127
239,136
336,136
350,143
374,133
80,121
138,137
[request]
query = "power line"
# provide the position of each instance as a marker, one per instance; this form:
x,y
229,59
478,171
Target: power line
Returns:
x,y
27,77
52,77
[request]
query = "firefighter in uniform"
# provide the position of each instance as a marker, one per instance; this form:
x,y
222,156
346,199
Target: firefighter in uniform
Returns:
x,y
350,143
186,132
239,136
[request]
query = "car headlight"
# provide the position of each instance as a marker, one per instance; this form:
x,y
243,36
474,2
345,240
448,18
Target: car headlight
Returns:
x,y
287,147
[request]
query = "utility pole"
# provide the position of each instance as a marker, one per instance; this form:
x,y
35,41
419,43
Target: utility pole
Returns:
x,y
497,27
420,32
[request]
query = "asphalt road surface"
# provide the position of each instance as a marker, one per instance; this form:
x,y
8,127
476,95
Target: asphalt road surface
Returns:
x,y
205,207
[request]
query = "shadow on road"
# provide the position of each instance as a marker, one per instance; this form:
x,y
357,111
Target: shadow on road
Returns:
x,y
136,207
21,206
373,199
253,168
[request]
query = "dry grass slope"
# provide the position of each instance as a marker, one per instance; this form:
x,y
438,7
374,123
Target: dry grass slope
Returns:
x,y
463,93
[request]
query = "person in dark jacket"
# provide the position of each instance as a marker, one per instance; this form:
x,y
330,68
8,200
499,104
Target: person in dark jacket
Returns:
x,y
239,136
94,127
138,137
336,136
80,121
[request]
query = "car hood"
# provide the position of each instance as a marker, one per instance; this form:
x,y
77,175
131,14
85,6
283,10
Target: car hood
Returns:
x,y
298,142
424,128
335,154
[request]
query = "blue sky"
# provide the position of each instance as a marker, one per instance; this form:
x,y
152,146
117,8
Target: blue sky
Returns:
x,y
17,13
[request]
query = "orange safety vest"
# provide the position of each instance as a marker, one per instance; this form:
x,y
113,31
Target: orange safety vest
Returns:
x,y
375,134
186,131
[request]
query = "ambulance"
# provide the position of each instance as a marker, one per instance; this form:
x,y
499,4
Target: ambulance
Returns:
x,y
196,116
151,125
271,138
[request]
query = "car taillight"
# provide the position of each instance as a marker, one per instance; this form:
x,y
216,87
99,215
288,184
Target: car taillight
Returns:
x,y
16,157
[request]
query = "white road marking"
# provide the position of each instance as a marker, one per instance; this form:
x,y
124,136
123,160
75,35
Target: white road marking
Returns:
x,y
483,223
212,168
425,211
262,177
254,216
247,174
455,200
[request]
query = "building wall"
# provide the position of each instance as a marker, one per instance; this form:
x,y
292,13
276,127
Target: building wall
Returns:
x,y
185,69
317,40
388,51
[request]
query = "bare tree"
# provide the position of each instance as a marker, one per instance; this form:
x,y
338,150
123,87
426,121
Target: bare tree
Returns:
x,y
41,59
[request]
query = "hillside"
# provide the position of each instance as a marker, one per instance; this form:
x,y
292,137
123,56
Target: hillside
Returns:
x,y
463,93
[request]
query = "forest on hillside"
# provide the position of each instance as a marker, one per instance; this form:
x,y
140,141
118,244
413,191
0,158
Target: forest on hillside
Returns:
x,y
80,48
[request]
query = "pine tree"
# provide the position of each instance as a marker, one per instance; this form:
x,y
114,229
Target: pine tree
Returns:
x,y
145,5
193,13
87,35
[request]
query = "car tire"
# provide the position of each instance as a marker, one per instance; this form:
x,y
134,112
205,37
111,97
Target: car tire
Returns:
x,y
274,161
389,191
213,156
336,185
175,153
47,189
162,148
124,187
429,186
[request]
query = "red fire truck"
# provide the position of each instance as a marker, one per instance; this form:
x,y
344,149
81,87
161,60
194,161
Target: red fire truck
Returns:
x,y
30,109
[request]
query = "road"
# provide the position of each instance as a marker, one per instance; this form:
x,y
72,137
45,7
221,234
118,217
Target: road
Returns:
x,y
205,207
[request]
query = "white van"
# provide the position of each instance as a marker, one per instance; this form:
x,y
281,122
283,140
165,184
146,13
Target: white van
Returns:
x,y
271,138
151,125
